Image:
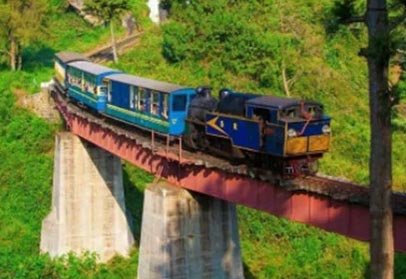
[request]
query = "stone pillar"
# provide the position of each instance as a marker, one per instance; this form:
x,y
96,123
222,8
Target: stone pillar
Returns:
x,y
88,209
188,235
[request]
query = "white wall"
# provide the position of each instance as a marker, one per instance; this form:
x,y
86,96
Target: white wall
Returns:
x,y
154,10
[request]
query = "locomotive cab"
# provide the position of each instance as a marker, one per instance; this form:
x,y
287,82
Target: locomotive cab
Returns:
x,y
290,127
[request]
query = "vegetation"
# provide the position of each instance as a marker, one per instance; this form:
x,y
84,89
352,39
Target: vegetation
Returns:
x,y
26,156
381,102
21,24
326,68
107,11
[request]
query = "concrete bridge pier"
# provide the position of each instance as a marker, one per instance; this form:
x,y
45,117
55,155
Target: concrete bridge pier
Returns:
x,y
88,209
188,235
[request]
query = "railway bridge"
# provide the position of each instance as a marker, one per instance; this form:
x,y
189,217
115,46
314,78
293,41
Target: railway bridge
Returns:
x,y
188,228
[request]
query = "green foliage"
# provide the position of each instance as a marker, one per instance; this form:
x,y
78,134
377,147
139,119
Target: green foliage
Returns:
x,y
106,10
175,46
21,23
27,163
25,176
223,36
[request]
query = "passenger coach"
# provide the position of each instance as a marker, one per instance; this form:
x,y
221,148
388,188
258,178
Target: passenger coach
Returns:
x,y
149,104
85,83
62,59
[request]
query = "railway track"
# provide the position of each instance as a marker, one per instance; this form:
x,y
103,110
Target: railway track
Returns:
x,y
332,187
104,53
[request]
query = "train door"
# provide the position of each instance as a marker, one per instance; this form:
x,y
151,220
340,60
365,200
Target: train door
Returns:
x,y
271,133
262,116
177,115
105,90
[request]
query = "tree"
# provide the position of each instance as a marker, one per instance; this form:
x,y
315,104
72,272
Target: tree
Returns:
x,y
108,11
22,22
378,54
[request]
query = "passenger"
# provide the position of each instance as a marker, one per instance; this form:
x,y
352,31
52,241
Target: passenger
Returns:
x,y
154,108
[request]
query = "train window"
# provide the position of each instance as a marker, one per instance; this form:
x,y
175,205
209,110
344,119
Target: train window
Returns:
x,y
155,102
75,77
261,114
140,101
315,111
311,110
89,83
82,81
179,103
144,96
102,90
164,109
290,113
109,92
273,116
137,98
133,97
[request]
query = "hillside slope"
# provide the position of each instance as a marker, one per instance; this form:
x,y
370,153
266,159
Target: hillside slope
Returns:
x,y
271,247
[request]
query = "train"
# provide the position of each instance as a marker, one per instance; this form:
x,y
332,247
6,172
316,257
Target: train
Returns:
x,y
286,136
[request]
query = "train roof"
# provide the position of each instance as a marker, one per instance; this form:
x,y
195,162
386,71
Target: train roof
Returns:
x,y
279,102
146,83
68,56
91,68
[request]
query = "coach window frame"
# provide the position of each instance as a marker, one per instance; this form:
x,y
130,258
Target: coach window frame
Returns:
x,y
154,102
134,97
109,91
165,105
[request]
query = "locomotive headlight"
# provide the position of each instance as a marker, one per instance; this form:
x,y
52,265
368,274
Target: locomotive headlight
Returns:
x,y
292,133
326,129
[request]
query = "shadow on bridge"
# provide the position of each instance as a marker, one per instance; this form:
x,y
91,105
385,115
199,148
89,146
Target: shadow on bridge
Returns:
x,y
134,202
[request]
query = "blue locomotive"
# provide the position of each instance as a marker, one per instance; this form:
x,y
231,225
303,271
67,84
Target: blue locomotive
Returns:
x,y
281,134
284,135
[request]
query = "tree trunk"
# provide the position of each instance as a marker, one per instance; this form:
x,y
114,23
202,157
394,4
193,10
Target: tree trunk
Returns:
x,y
19,58
13,53
283,66
284,79
113,42
381,233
